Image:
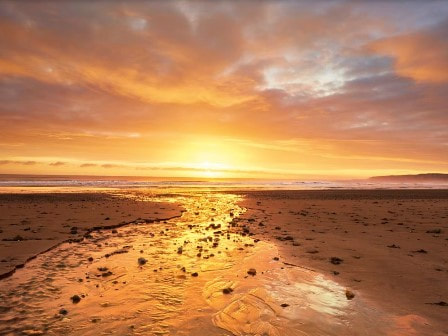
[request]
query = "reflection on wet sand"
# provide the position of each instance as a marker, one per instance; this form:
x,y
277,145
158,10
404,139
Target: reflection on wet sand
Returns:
x,y
187,276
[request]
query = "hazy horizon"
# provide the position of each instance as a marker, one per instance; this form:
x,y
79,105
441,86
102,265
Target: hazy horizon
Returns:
x,y
56,182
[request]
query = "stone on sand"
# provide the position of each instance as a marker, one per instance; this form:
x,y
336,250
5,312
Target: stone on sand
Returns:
x,y
141,261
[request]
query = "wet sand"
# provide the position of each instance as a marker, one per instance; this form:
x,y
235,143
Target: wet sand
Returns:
x,y
247,263
31,223
392,244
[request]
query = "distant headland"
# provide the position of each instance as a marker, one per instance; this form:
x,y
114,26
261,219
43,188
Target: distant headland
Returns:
x,y
429,178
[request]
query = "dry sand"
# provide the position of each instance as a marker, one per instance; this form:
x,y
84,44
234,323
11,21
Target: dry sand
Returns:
x,y
393,245
33,223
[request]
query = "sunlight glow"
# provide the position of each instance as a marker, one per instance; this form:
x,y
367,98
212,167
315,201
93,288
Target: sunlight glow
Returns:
x,y
211,169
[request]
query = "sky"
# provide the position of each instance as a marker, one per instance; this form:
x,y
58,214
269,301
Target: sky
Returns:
x,y
266,89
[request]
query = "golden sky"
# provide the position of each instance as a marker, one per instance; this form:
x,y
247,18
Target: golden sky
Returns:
x,y
269,89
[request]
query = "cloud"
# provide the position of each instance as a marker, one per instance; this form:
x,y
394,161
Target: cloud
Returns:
x,y
107,82
88,165
57,164
18,162
201,169
421,55
109,165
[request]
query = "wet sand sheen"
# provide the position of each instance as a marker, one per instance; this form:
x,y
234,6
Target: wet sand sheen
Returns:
x,y
193,280
33,221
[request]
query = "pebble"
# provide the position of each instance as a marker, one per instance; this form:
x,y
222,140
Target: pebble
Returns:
x,y
336,260
75,298
349,294
437,231
252,271
227,290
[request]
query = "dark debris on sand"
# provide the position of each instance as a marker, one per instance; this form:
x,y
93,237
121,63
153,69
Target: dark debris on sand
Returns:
x,y
75,298
252,271
227,290
440,303
336,260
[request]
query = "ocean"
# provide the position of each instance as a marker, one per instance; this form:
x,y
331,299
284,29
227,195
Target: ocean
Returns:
x,y
182,182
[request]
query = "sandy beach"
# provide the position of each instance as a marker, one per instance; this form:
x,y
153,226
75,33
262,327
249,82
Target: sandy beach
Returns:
x,y
31,223
390,246
360,262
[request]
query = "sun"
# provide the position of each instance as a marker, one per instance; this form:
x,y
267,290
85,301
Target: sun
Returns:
x,y
210,170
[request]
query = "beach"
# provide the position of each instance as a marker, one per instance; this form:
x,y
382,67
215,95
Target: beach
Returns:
x,y
221,262
392,244
224,168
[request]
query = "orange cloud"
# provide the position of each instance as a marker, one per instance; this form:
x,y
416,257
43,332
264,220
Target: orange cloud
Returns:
x,y
57,164
422,55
